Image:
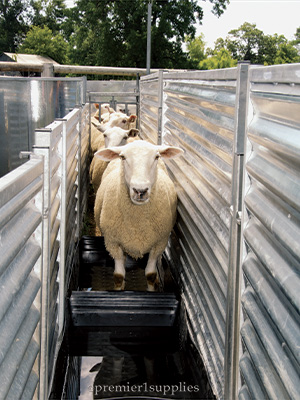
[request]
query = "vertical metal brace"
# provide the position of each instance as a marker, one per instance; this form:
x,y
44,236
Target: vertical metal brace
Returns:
x,y
160,105
138,97
46,234
48,70
63,231
79,175
232,338
90,122
83,90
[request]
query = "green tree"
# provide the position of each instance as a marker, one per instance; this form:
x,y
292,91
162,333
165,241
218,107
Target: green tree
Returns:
x,y
297,37
42,41
286,54
50,13
249,43
219,59
246,43
196,49
115,32
14,18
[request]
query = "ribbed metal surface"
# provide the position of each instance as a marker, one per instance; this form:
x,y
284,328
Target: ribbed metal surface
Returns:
x,y
198,115
38,102
48,143
149,107
83,169
20,280
65,152
271,331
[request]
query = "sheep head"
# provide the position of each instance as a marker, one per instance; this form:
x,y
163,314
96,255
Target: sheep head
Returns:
x,y
117,136
139,160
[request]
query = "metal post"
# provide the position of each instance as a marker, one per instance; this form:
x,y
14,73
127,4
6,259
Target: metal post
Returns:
x,y
137,107
45,293
48,70
90,123
160,107
232,338
63,230
149,36
79,175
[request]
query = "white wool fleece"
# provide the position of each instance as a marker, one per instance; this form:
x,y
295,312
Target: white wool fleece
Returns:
x,y
135,228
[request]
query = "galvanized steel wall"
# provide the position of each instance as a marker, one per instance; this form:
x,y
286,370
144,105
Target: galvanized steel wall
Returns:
x,y
151,107
41,207
206,114
271,331
20,280
65,154
199,116
30,103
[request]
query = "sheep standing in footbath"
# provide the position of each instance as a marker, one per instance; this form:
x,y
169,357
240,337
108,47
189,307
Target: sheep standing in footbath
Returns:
x,y
135,205
112,137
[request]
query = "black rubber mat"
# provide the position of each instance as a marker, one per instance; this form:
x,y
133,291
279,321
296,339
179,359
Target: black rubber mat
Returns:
x,y
123,308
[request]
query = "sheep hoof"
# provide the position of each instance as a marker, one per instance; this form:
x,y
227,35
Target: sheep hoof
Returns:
x,y
152,282
119,281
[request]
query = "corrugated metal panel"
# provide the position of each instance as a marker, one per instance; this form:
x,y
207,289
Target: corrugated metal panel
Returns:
x,y
70,194
151,107
61,145
30,103
20,279
271,331
84,161
199,113
48,143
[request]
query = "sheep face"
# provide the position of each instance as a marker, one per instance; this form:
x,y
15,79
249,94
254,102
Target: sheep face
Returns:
x,y
139,160
117,119
117,136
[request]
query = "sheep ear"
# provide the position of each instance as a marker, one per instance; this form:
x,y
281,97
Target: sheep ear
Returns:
x,y
170,151
107,154
97,105
133,132
132,118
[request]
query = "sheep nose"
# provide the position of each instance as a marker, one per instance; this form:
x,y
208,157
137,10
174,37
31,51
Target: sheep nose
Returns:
x,y
140,193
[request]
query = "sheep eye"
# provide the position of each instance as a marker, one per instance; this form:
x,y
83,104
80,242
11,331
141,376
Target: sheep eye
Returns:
x,y
157,157
124,121
122,157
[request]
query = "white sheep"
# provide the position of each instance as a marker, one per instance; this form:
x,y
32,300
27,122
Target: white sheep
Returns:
x,y
112,137
105,108
97,138
135,205
116,120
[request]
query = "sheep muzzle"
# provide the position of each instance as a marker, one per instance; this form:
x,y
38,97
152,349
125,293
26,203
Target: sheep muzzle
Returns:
x,y
140,196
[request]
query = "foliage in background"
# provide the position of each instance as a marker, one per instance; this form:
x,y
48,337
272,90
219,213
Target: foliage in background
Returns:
x,y
245,43
114,33
41,41
14,19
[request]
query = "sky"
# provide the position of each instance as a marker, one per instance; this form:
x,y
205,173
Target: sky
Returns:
x,y
270,16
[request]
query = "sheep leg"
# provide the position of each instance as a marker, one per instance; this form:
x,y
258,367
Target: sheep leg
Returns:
x,y
151,272
119,272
